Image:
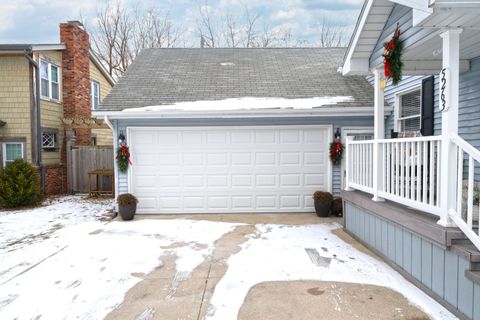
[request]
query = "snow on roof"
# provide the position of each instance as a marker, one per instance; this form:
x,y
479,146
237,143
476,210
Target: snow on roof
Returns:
x,y
247,103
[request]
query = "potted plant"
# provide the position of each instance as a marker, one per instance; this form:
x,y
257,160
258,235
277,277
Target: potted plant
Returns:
x,y
323,203
127,206
337,207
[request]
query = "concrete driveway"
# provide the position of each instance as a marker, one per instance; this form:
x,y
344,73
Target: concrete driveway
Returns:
x,y
167,294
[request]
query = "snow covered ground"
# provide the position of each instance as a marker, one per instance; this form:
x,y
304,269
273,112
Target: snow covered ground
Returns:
x,y
60,261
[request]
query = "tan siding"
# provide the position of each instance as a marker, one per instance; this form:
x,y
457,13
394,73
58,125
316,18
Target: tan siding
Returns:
x,y
15,99
104,136
52,112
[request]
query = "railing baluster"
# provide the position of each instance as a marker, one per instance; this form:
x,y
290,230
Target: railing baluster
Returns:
x,y
402,169
459,180
424,171
471,171
397,169
418,173
431,196
408,146
439,166
386,148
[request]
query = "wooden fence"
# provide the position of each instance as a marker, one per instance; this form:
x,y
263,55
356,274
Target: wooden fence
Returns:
x,y
83,160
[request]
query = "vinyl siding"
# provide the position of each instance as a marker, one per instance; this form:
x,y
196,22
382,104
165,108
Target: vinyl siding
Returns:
x,y
51,112
439,270
15,105
104,136
335,122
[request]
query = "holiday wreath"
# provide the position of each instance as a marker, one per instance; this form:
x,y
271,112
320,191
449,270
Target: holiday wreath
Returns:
x,y
123,158
336,152
392,58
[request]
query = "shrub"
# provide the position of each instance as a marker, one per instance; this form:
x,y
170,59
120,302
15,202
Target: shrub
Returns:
x,y
127,199
337,207
323,196
19,185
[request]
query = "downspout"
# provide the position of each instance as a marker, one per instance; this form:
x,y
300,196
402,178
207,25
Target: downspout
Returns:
x,y
38,159
115,171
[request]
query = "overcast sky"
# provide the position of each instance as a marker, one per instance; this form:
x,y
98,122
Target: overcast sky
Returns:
x,y
36,21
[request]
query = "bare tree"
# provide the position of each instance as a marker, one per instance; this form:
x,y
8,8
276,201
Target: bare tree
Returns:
x,y
330,35
121,33
206,27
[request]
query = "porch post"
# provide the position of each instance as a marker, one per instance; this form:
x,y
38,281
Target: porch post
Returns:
x,y
348,162
379,133
448,176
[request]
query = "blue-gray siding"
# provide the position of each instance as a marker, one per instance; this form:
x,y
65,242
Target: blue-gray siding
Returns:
x,y
440,270
336,122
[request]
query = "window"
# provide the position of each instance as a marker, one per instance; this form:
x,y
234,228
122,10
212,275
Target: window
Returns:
x,y
49,140
95,94
409,112
50,80
11,152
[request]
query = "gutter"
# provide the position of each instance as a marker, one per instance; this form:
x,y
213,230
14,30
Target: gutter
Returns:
x,y
36,114
272,113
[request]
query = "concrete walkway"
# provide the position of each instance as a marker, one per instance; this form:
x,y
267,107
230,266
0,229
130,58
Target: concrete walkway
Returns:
x,y
166,294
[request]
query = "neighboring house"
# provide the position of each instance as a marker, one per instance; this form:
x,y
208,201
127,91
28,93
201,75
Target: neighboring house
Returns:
x,y
234,130
72,82
414,199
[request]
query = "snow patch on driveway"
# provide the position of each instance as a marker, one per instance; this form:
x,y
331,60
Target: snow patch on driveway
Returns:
x,y
278,253
84,269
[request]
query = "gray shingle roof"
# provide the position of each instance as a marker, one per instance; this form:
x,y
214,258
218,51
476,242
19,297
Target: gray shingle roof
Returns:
x,y
166,76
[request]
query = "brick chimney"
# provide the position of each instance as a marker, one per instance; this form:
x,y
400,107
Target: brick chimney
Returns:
x,y
76,76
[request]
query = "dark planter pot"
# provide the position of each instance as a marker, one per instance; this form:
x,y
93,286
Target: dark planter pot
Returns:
x,y
322,208
127,211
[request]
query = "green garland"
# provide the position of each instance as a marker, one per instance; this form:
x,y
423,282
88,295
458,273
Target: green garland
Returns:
x,y
392,58
123,158
336,152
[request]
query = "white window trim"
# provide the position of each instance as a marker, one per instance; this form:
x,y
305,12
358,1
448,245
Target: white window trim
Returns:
x,y
49,72
396,111
92,93
4,151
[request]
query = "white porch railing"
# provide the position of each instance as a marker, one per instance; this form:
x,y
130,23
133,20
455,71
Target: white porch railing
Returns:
x,y
464,219
410,175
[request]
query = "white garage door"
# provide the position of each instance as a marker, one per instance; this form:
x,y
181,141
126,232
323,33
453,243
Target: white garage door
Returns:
x,y
229,169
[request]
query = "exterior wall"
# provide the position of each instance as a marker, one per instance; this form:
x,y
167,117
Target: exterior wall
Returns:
x,y
122,125
439,270
410,35
51,112
76,76
104,136
15,100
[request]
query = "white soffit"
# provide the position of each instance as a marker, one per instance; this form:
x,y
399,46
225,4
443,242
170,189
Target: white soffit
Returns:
x,y
369,27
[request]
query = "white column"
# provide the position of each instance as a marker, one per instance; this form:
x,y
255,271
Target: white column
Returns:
x,y
348,163
379,133
448,178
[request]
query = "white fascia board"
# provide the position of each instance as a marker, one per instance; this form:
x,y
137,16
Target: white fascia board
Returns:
x,y
49,47
173,114
356,67
414,4
347,64
455,3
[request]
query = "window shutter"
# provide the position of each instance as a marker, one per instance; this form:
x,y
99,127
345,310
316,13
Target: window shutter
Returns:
x,y
428,92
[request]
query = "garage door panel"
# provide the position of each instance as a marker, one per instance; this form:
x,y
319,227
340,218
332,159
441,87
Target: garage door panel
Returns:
x,y
251,169
265,158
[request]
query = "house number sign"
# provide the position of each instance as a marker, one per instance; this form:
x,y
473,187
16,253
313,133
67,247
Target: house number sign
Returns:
x,y
443,90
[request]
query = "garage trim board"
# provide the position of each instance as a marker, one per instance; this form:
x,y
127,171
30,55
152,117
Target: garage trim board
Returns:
x,y
228,169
